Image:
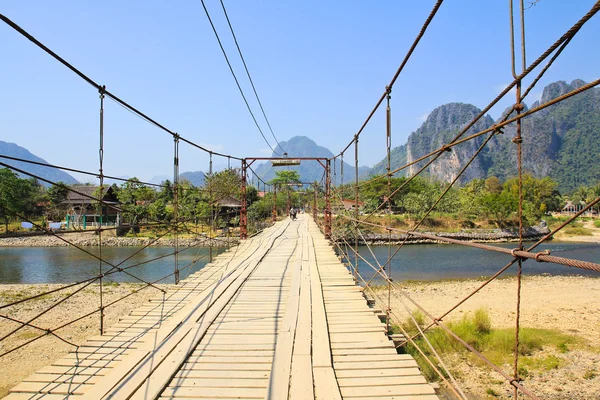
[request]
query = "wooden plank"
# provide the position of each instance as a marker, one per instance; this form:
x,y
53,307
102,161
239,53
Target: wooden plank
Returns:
x,y
51,388
61,378
376,391
214,393
326,387
279,381
381,381
222,374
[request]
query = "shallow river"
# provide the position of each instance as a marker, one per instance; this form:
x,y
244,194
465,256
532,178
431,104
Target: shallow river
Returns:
x,y
442,261
413,262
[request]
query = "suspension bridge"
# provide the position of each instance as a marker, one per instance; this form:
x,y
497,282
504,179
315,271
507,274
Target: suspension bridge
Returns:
x,y
277,317
286,313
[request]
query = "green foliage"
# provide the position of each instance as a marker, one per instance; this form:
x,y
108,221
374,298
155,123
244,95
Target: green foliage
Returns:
x,y
18,197
136,199
285,178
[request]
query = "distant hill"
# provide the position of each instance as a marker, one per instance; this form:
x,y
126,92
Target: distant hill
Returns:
x,y
51,174
309,171
196,178
561,141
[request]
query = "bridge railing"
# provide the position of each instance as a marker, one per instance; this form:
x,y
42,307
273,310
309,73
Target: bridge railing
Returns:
x,y
354,223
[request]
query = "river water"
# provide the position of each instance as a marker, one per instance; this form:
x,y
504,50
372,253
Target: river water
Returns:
x,y
413,262
68,264
425,262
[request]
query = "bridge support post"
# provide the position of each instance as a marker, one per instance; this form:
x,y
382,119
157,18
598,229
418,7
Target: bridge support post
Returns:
x,y
243,211
176,205
328,199
274,204
314,209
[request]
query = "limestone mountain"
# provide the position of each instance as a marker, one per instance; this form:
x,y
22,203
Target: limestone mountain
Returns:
x,y
561,141
440,127
51,174
309,171
196,178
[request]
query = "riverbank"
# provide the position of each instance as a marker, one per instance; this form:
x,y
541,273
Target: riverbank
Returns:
x,y
16,366
91,239
475,235
568,305
593,235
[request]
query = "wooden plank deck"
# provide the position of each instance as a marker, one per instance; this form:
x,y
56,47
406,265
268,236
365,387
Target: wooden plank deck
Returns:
x,y
278,317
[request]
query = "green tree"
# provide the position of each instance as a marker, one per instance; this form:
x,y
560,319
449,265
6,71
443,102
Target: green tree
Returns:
x,y
285,178
136,199
56,195
17,196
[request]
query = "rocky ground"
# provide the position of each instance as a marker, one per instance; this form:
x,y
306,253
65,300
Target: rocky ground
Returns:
x,y
567,304
475,235
90,239
21,363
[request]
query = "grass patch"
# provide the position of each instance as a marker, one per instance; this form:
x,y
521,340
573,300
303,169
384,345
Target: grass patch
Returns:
x,y
577,231
597,223
498,345
590,374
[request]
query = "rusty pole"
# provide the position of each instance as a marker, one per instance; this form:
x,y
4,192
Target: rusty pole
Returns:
x,y
243,213
101,154
212,208
388,128
176,204
356,212
314,209
328,199
274,203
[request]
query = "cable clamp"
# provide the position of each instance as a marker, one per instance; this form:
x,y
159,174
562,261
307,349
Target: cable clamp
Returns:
x,y
176,136
446,148
498,130
388,90
542,253
519,107
514,251
102,90
517,140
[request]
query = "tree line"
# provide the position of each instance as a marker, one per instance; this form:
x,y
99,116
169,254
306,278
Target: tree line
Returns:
x,y
480,198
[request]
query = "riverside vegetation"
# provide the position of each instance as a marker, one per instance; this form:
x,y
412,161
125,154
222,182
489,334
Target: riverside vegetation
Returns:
x,y
478,204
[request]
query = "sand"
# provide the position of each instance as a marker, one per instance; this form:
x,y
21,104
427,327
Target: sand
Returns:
x,y
16,366
568,304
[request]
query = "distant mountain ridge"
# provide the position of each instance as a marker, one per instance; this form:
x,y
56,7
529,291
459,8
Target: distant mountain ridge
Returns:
x,y
51,174
309,171
561,141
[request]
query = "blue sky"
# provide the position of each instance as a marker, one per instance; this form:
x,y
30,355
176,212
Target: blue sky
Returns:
x,y
319,67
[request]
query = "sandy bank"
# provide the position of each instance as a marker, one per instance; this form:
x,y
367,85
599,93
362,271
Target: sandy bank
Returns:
x,y
21,363
568,304
90,239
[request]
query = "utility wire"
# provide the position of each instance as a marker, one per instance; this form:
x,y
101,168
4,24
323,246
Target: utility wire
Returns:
x,y
113,97
235,78
249,77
